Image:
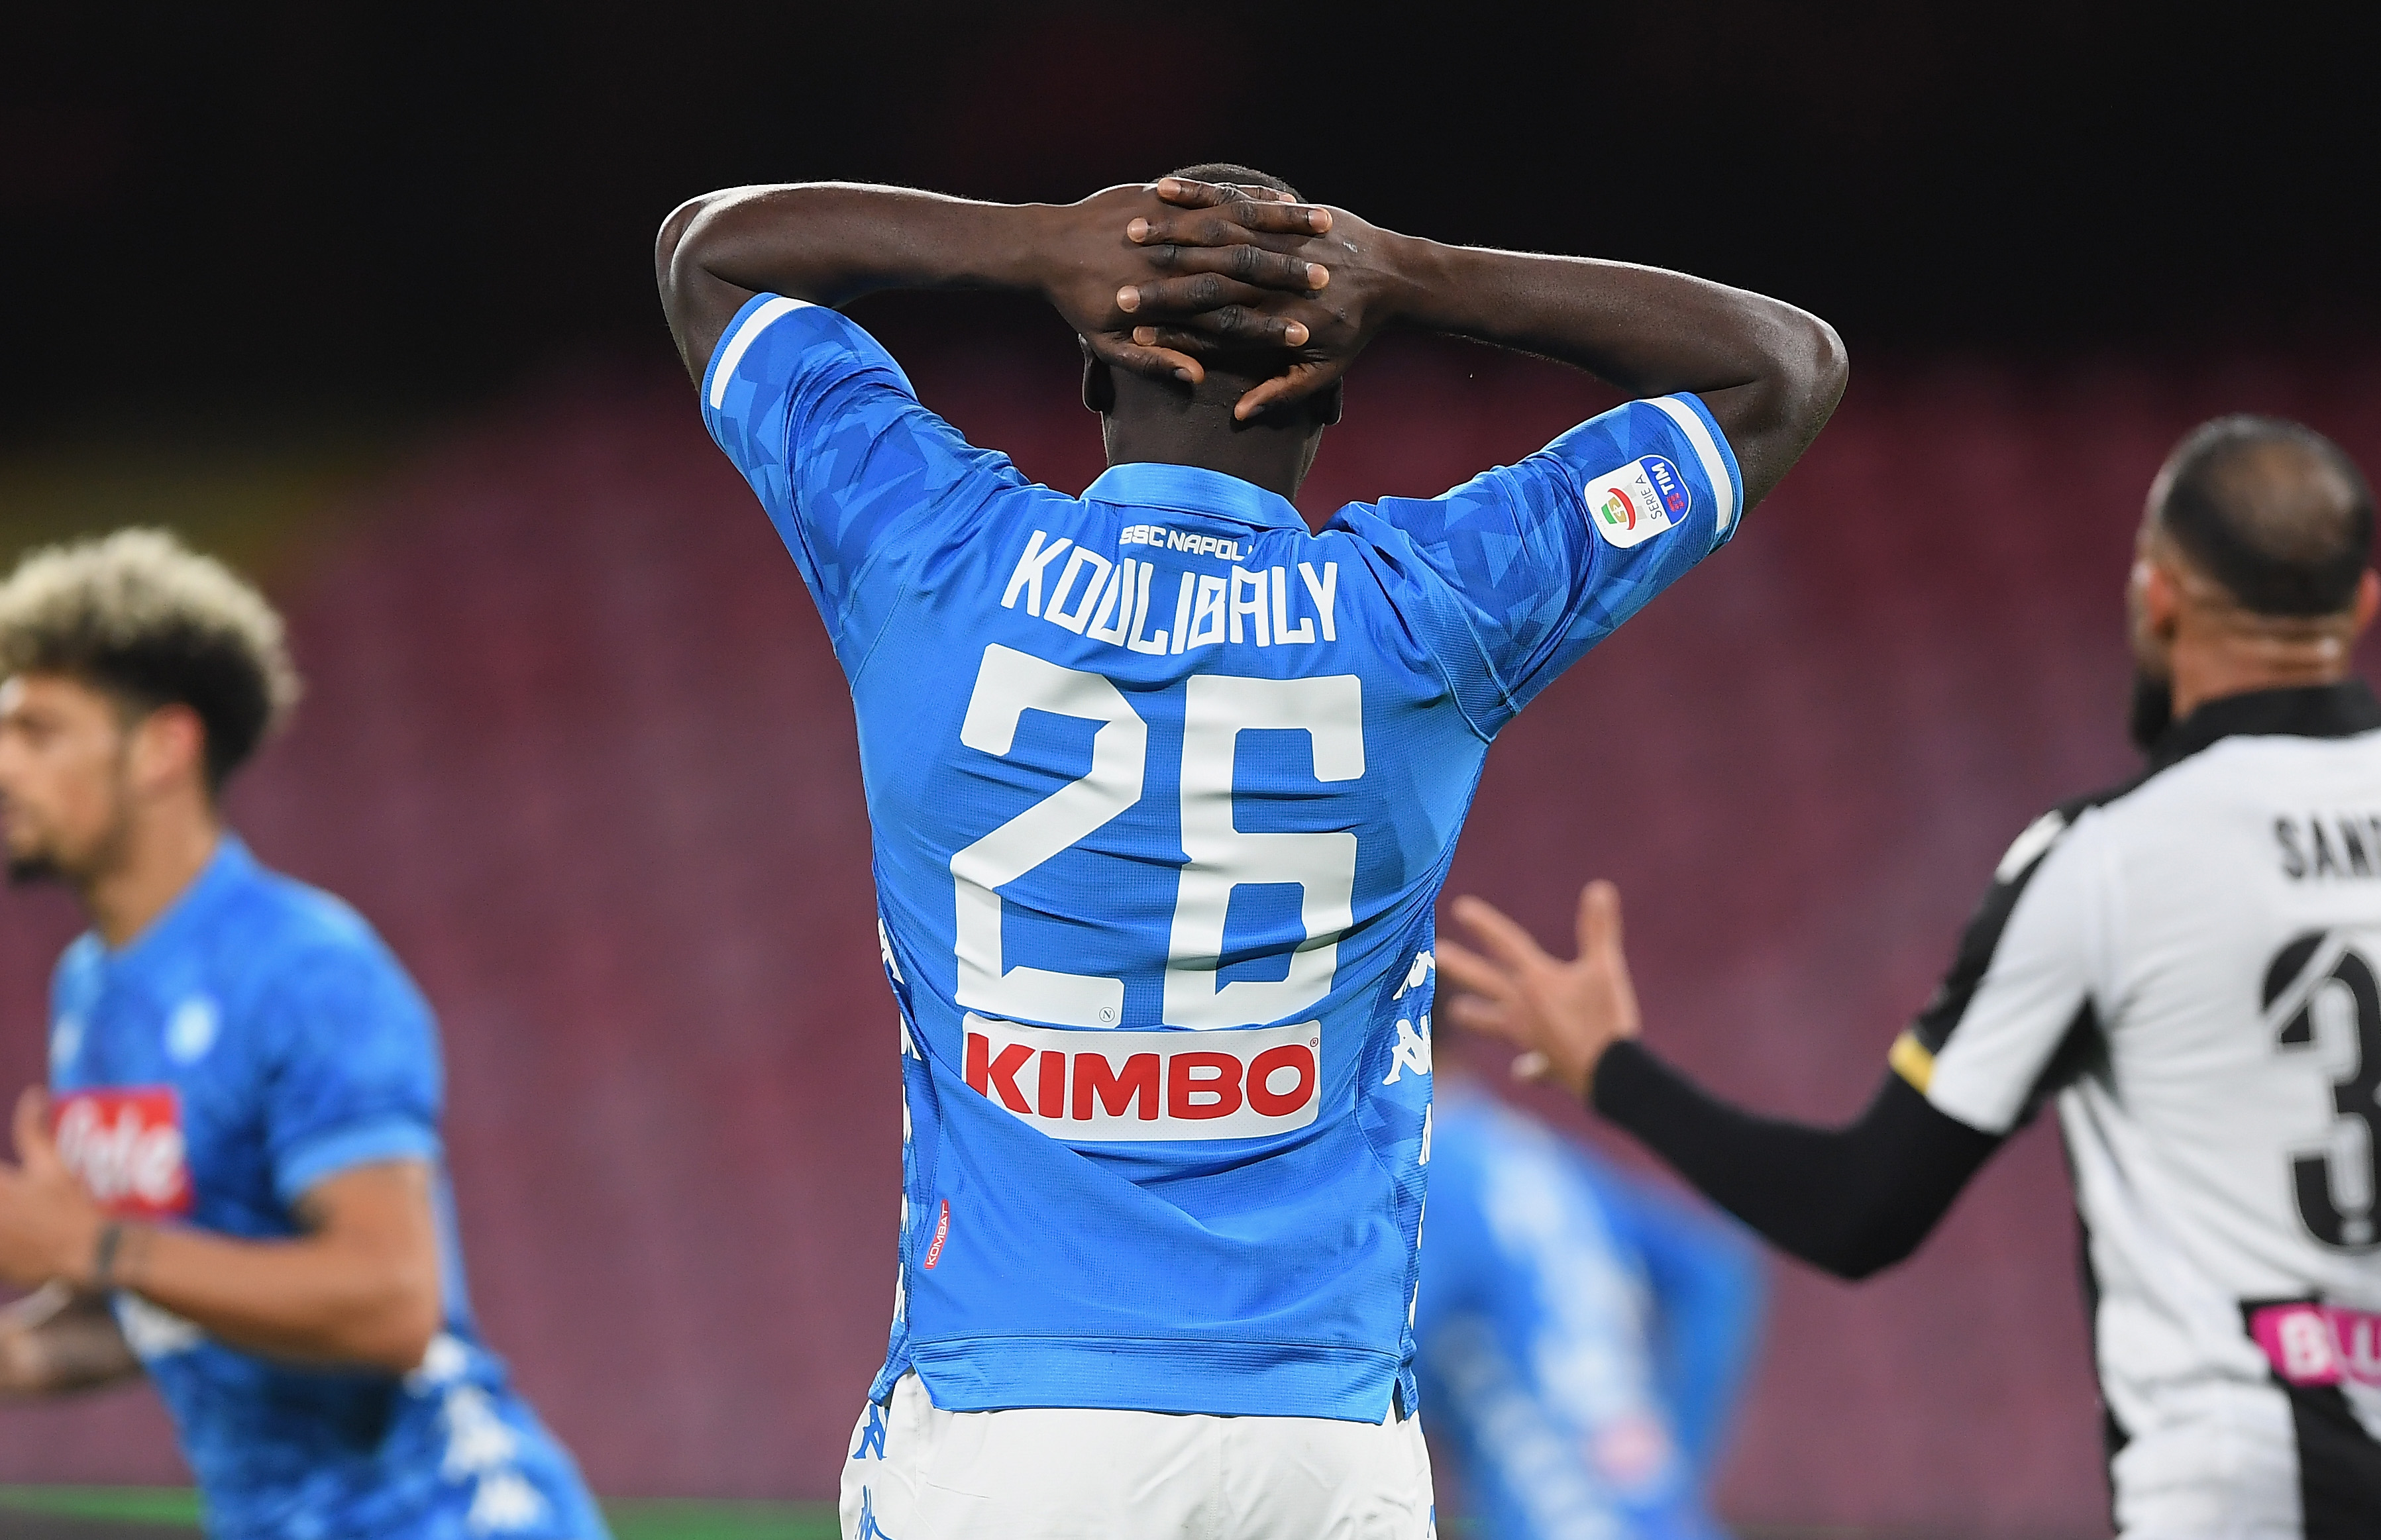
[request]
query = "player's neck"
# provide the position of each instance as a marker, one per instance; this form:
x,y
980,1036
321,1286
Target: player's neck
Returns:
x,y
2217,668
161,853
1181,428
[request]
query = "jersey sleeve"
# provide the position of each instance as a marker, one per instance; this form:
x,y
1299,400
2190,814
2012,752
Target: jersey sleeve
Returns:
x,y
827,430
355,1076
1538,562
2016,1013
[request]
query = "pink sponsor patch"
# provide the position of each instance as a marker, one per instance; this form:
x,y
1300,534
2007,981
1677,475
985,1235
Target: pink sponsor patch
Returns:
x,y
2318,1344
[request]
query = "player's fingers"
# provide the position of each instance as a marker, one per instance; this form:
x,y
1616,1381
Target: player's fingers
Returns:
x,y
32,1124
1251,264
1498,934
1599,921
1153,359
1185,299
1190,195
1532,1067
1294,383
38,1308
1257,208
1173,337
1244,326
1221,223
1471,972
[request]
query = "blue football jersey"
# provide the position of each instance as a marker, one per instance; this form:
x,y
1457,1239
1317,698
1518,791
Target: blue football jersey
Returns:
x,y
1584,1336
1163,788
255,1040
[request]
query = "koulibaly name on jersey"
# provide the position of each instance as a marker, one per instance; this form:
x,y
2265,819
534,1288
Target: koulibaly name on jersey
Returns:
x,y
1108,600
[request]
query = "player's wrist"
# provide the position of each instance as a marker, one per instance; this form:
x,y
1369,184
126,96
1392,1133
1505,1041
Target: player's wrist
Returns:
x,y
1427,285
1597,1056
95,1253
1026,252
1414,269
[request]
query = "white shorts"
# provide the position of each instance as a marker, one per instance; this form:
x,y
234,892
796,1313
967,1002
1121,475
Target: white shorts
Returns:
x,y
1061,1474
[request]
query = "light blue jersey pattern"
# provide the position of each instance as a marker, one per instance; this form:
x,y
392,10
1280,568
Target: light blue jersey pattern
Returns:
x,y
254,1041
1164,787
1583,1335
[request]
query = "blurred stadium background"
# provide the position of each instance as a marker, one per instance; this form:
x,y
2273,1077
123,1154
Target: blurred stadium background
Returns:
x,y
363,300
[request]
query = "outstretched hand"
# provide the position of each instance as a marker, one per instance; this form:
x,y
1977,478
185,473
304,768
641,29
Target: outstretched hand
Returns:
x,y
1231,292
1214,240
1561,1015
48,1224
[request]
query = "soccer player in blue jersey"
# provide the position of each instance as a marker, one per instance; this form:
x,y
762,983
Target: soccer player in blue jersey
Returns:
x,y
1164,784
234,1180
1583,1335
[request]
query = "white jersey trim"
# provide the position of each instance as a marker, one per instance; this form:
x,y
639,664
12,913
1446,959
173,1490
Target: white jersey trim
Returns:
x,y
732,353
1715,466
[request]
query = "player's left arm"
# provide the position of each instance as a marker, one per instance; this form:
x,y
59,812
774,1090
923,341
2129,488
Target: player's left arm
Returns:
x,y
1850,1200
359,1286
1537,562
1768,373
57,1341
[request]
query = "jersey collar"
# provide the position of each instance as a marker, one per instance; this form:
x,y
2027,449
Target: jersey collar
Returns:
x,y
2340,710
1193,489
225,870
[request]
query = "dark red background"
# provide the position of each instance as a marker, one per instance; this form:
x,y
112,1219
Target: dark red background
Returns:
x,y
576,742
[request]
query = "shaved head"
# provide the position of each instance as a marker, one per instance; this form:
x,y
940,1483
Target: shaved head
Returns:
x,y
1233,174
2273,511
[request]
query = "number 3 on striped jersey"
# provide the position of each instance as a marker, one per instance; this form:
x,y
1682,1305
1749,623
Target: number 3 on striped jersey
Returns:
x,y
1216,710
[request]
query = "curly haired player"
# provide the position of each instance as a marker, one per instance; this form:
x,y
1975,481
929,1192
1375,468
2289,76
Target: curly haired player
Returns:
x,y
233,1181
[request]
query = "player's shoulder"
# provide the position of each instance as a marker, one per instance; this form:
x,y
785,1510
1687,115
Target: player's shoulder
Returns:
x,y
80,968
281,912
775,337
2063,837
290,937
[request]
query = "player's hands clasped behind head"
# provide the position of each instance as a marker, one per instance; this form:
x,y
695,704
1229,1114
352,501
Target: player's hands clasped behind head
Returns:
x,y
1208,238
1561,1015
1244,263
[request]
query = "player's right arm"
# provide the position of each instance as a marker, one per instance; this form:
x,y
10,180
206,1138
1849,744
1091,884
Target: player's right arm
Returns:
x,y
819,418
1997,1037
56,1341
828,243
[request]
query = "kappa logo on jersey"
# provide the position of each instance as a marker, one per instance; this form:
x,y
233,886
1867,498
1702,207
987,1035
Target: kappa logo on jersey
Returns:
x,y
127,1148
1106,1087
1411,1050
1633,504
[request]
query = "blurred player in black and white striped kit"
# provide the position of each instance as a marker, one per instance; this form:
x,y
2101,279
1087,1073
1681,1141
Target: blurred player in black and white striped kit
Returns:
x,y
2189,964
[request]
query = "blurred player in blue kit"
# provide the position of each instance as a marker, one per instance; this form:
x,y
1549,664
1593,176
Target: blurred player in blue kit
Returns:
x,y
1164,784
1585,1335
234,1180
